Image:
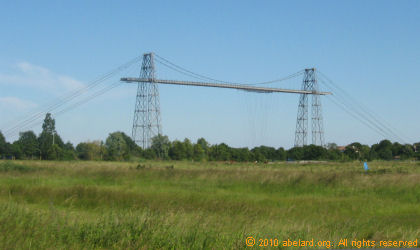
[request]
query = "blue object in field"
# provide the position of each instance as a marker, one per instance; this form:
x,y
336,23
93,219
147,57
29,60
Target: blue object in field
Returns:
x,y
366,166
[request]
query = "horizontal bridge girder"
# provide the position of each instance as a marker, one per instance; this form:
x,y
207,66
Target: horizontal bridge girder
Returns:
x,y
223,85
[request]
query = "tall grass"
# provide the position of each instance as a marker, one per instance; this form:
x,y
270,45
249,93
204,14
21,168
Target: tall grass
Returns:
x,y
84,205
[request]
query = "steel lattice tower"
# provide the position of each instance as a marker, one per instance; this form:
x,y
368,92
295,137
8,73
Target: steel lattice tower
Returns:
x,y
309,84
146,123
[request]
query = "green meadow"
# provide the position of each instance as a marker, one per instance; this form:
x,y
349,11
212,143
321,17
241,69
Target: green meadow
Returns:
x,y
212,205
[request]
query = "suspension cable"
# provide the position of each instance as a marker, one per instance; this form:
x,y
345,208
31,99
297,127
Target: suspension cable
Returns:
x,y
363,112
190,73
66,98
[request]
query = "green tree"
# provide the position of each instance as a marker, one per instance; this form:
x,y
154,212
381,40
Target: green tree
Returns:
x,y
13,151
49,124
161,146
403,151
365,153
220,152
281,154
241,154
357,151
313,152
203,143
353,150
205,146
407,152
91,151
82,151
2,146
373,155
263,153
334,154
258,156
57,152
396,149
149,154
295,153
384,150
198,152
332,145
47,138
29,144
189,150
416,147
116,146
69,152
133,148
177,151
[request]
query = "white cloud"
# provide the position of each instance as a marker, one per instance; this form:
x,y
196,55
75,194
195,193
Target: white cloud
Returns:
x,y
38,77
11,104
32,69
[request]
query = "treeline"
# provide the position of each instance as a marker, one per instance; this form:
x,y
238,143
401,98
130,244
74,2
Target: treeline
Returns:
x,y
119,147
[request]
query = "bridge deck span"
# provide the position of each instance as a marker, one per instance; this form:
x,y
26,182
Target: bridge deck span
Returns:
x,y
227,86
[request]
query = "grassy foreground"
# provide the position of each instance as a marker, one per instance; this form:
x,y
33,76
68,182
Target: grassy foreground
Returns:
x,y
84,205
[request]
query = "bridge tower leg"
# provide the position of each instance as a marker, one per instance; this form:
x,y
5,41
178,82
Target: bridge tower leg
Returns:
x,y
146,123
309,84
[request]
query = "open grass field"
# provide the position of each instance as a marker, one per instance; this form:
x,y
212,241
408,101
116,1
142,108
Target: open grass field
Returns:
x,y
108,205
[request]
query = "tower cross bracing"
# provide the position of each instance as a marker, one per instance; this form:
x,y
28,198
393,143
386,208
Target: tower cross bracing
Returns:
x,y
147,123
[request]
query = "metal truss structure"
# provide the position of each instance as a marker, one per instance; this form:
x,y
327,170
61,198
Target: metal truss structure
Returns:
x,y
309,84
146,123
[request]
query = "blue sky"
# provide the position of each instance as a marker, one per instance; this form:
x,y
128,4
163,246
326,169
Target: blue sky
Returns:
x,y
370,48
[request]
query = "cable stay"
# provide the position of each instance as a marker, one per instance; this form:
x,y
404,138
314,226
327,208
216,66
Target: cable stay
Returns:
x,y
99,86
356,109
367,116
68,97
73,106
372,114
147,96
361,116
189,73
73,94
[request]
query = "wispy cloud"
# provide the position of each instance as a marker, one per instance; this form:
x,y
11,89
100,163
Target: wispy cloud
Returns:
x,y
40,78
12,104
